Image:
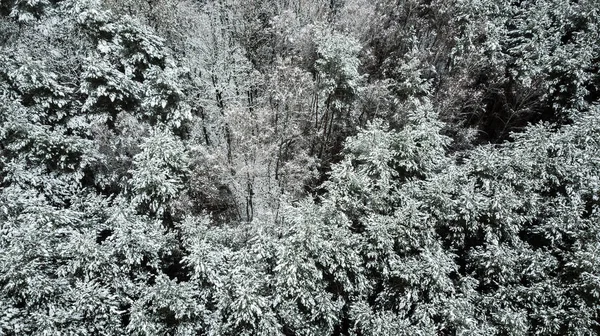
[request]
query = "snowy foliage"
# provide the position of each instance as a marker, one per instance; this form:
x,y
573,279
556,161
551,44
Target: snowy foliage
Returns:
x,y
295,168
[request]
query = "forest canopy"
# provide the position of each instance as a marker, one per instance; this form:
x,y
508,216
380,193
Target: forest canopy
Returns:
x,y
300,168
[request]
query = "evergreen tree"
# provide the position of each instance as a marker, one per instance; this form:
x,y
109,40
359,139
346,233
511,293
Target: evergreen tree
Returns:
x,y
299,168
